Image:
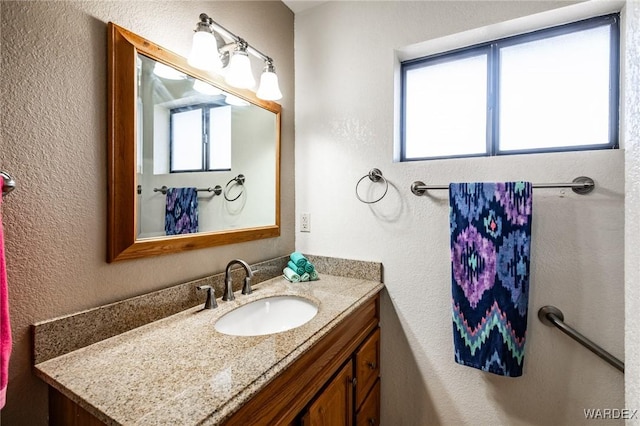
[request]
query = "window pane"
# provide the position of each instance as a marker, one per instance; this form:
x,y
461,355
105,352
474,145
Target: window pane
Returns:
x,y
555,92
220,138
445,108
186,140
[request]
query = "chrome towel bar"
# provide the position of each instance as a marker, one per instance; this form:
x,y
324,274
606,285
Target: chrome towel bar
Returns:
x,y
552,316
217,190
580,185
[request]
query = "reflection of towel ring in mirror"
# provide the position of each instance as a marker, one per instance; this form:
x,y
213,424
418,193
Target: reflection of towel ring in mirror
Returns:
x,y
239,180
374,175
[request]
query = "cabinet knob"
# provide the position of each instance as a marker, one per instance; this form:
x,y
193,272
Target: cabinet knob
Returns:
x,y
372,422
354,381
372,365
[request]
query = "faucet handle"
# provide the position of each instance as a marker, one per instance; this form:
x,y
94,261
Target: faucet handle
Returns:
x,y
211,296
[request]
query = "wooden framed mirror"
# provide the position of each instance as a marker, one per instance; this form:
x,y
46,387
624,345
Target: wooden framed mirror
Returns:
x,y
140,157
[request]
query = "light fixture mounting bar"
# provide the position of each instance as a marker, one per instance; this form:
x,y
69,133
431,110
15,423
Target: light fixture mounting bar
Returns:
x,y
225,32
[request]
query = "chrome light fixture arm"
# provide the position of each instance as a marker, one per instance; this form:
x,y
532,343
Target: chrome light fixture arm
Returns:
x,y
238,42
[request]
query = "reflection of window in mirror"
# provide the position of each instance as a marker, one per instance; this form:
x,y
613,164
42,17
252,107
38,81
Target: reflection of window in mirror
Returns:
x,y
186,122
200,138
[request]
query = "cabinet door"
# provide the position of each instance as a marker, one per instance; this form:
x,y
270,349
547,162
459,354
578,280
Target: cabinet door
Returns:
x,y
367,366
334,406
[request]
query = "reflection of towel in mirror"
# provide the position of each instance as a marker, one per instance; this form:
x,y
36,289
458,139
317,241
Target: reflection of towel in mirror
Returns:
x,y
181,215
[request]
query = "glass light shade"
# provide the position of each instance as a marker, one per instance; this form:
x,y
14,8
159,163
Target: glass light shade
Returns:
x,y
239,73
205,88
165,71
204,52
269,89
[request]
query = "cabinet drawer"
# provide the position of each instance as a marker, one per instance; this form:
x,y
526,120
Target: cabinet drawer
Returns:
x,y
369,413
367,365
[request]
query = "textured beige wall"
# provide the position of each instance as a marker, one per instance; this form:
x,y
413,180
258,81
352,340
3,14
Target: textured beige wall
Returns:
x,y
53,141
345,126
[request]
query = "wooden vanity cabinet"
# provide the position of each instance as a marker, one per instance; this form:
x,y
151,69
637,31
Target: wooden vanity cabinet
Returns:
x,y
65,412
319,386
353,395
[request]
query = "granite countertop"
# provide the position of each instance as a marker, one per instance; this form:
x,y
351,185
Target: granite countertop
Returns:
x,y
180,370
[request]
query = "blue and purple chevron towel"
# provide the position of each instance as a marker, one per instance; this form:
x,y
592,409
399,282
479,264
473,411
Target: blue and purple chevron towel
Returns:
x,y
490,226
181,215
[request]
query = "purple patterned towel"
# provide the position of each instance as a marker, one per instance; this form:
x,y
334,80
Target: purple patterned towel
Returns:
x,y
181,216
490,226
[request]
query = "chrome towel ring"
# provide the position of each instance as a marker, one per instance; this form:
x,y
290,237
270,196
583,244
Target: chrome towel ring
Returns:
x,y
238,180
8,184
375,175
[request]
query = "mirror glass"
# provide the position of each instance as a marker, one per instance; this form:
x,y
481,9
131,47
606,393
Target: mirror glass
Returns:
x,y
193,162
195,135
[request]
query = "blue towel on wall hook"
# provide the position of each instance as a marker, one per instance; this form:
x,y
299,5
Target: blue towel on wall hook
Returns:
x,y
490,227
181,215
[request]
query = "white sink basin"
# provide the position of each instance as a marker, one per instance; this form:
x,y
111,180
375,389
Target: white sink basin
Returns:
x,y
267,316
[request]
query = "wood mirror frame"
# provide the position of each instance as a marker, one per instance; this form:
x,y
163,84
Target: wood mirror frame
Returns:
x,y
122,241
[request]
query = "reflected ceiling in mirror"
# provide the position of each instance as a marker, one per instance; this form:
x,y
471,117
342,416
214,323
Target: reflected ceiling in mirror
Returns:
x,y
179,139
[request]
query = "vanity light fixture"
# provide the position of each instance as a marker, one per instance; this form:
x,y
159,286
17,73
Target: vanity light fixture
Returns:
x,y
239,73
269,89
209,52
204,48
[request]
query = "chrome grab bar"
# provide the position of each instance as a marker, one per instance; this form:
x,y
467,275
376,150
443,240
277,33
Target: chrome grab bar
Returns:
x,y
552,316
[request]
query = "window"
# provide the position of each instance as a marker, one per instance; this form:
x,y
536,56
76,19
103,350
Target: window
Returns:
x,y
200,138
550,90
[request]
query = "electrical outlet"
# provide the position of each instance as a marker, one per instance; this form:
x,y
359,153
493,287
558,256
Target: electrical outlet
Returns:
x,y
305,222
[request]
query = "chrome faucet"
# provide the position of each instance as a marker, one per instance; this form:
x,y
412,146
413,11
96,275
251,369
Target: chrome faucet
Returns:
x,y
228,288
